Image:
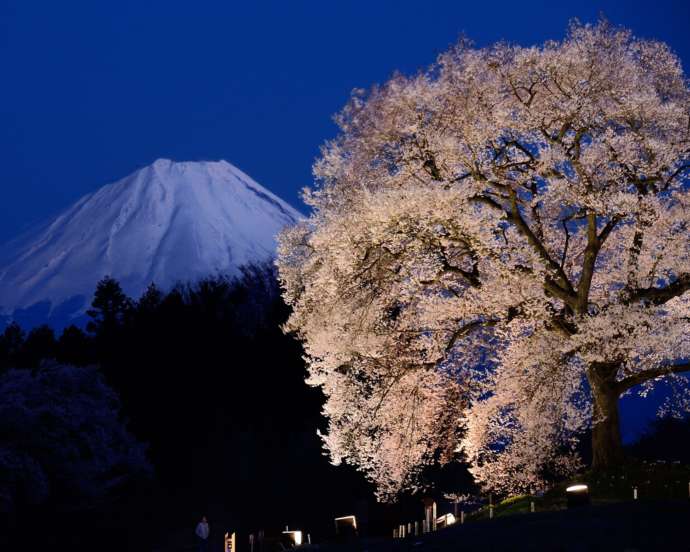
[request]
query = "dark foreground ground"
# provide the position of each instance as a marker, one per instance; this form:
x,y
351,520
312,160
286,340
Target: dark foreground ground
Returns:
x,y
626,527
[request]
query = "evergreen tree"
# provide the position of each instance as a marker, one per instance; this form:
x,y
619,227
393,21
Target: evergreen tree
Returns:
x,y
40,345
150,300
74,347
11,344
190,369
109,308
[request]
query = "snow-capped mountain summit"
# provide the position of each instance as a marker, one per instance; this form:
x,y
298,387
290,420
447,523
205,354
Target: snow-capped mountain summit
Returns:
x,y
165,223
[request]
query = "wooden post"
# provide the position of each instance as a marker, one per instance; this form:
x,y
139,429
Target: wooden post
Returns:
x,y
491,511
433,515
430,513
531,506
462,517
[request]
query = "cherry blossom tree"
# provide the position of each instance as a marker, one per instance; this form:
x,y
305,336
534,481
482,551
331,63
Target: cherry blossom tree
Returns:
x,y
498,251
63,440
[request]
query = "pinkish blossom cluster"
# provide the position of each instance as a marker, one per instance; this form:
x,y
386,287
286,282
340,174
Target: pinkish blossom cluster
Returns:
x,y
498,250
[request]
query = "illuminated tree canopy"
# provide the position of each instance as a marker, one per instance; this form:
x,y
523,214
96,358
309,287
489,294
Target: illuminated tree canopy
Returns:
x,y
498,250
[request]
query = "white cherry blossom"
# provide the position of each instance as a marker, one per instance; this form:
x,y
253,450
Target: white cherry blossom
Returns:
x,y
498,250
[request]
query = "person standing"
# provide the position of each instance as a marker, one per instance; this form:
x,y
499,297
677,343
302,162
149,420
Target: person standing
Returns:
x,y
202,532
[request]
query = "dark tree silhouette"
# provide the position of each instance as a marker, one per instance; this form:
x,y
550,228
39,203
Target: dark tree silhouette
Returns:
x,y
75,347
63,441
11,345
40,345
150,301
109,308
208,379
666,439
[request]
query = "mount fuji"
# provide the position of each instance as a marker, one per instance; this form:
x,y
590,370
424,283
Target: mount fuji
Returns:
x,y
169,222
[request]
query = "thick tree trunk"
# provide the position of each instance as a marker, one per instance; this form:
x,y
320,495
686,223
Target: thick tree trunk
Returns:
x,y
607,448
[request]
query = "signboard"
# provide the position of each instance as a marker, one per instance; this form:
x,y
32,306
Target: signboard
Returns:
x,y
230,542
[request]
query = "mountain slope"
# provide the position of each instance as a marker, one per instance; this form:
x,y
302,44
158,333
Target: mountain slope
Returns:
x,y
168,222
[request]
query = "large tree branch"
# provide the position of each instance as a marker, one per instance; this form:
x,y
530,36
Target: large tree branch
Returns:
x,y
679,171
637,379
594,244
588,263
471,277
464,330
607,229
564,255
561,279
559,286
491,202
659,296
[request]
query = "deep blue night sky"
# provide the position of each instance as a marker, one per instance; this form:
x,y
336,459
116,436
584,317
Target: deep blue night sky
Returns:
x,y
90,91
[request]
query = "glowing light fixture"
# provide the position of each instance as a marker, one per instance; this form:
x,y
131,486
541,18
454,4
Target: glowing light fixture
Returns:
x,y
347,520
578,495
346,526
445,520
294,536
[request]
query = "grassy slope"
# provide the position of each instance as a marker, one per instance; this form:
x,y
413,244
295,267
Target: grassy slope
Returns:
x,y
619,527
659,520
654,481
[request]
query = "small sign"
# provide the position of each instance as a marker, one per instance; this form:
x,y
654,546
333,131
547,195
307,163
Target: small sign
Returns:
x,y
230,542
